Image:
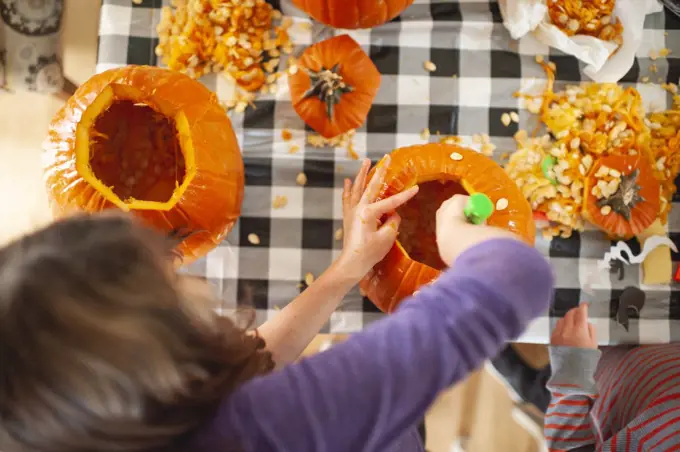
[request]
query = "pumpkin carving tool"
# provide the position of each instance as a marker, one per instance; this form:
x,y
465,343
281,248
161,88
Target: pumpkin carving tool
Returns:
x,y
478,208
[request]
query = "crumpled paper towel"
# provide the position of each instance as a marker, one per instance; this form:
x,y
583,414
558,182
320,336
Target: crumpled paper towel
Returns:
x,y
522,17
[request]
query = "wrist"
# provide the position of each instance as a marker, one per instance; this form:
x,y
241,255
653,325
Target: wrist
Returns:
x,y
346,270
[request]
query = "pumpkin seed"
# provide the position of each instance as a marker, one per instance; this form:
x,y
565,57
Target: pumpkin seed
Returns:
x,y
338,234
606,210
254,239
429,66
502,204
280,202
309,279
301,179
456,156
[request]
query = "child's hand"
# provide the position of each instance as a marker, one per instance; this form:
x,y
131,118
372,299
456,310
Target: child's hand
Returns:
x,y
455,234
366,241
573,330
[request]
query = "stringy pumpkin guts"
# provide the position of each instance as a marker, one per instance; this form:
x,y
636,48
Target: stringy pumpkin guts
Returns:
x,y
586,17
197,37
587,123
135,151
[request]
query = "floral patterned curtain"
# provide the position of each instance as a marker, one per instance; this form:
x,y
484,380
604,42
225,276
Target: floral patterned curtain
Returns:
x,y
29,45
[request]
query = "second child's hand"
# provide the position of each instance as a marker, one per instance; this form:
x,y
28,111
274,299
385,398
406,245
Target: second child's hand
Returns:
x,y
574,330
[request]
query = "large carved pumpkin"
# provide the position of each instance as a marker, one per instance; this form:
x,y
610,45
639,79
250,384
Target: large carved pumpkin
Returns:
x,y
441,170
353,14
151,142
622,196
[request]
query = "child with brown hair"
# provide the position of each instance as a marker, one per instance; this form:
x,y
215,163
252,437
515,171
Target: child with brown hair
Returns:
x,y
104,348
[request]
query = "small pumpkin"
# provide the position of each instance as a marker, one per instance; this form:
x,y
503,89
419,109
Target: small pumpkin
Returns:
x,y
334,86
152,142
635,203
441,170
352,14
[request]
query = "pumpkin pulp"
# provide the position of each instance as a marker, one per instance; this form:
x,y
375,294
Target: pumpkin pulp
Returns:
x,y
134,150
417,232
132,154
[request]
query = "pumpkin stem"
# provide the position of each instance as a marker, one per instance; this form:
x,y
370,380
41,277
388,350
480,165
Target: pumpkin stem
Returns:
x,y
626,196
328,86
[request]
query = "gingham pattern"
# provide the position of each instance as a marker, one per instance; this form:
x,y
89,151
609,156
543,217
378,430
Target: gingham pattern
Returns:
x,y
464,38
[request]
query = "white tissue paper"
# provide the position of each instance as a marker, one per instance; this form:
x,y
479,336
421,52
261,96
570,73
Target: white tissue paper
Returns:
x,y
522,17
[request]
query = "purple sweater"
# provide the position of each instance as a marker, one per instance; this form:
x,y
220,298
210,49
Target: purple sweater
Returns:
x,y
368,393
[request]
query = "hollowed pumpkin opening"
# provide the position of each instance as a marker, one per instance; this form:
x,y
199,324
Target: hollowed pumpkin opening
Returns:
x,y
417,232
134,150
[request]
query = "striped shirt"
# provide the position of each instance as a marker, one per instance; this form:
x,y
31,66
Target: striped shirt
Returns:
x,y
621,399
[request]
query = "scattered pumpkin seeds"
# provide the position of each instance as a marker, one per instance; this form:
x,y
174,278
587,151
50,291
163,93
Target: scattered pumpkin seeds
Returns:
x,y
280,202
301,179
339,234
514,116
505,119
429,66
254,239
137,2
456,156
293,149
502,204
309,279
606,210
488,148
539,59
425,134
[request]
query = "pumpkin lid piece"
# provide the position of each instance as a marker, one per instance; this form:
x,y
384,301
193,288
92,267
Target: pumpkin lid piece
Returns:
x,y
334,91
622,195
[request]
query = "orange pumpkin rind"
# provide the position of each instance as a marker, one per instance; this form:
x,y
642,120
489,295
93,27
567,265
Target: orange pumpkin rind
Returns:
x,y
208,199
397,276
354,69
353,14
642,211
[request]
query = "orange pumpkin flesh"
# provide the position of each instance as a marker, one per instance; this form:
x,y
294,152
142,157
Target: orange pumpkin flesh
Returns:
x,y
353,14
642,214
399,274
152,142
356,70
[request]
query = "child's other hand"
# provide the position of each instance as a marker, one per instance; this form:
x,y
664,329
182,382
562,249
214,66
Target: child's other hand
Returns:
x,y
455,234
573,330
366,241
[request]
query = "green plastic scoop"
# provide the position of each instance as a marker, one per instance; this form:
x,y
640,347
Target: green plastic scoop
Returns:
x,y
478,208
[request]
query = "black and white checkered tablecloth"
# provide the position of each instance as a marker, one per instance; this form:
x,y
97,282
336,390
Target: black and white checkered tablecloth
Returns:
x,y
465,38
